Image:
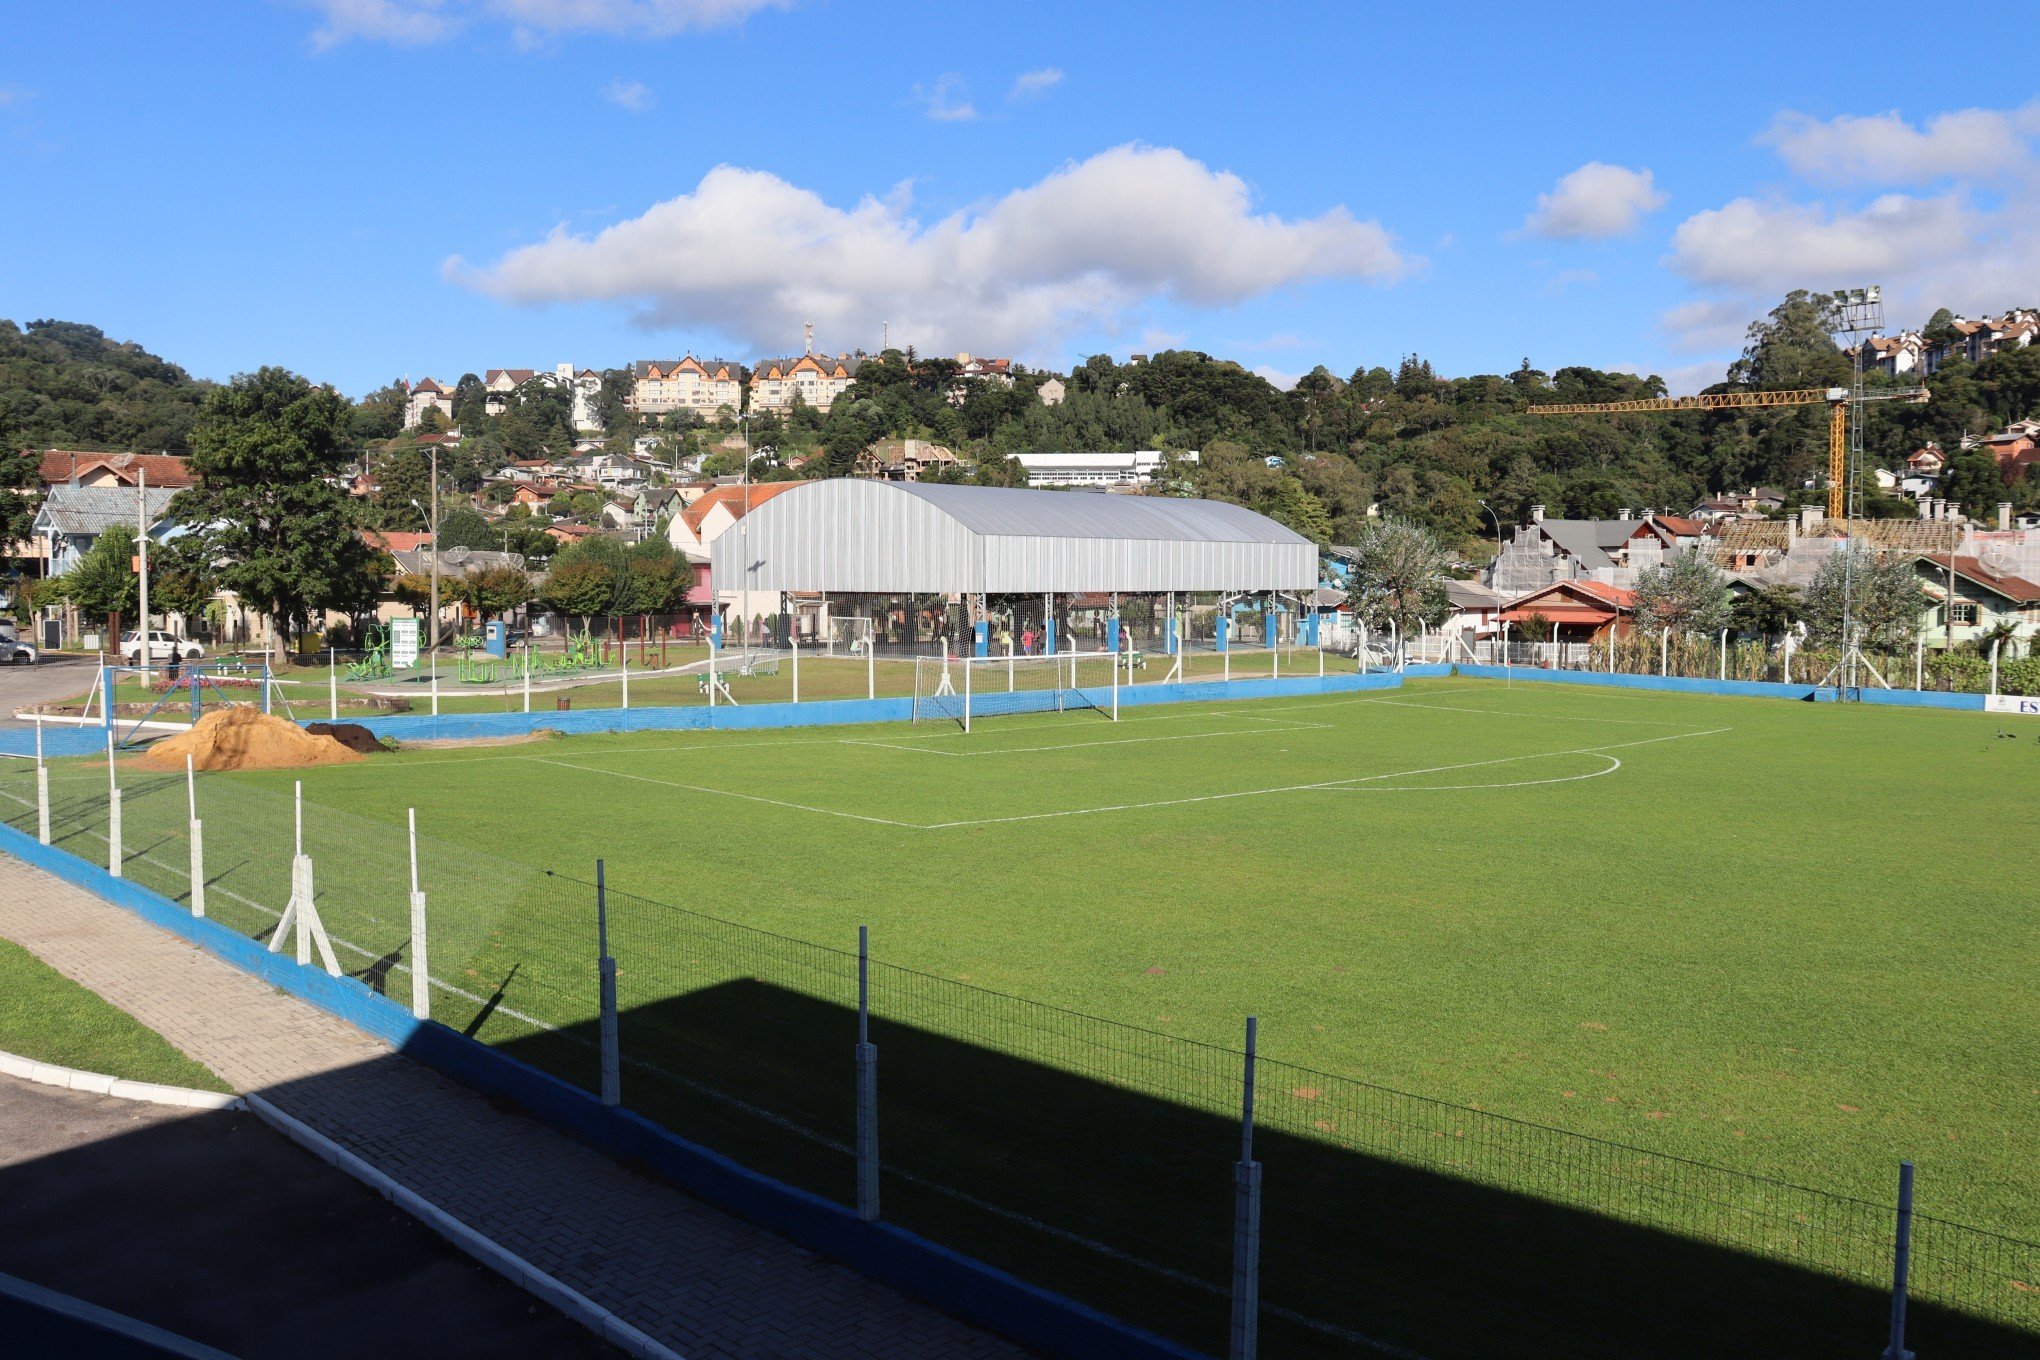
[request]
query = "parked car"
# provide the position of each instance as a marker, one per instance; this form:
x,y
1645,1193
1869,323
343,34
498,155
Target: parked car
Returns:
x,y
14,652
162,646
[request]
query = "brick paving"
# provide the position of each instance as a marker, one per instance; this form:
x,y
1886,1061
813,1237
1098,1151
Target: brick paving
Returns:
x,y
699,1280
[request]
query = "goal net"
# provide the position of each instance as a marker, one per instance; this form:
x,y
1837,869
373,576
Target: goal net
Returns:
x,y
958,689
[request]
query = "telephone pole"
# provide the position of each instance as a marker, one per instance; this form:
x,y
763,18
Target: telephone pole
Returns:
x,y
433,643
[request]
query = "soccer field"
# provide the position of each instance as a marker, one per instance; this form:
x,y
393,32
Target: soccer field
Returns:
x,y
1794,940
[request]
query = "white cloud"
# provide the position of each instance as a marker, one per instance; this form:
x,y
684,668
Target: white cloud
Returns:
x,y
750,256
1029,84
1594,203
1283,380
947,100
414,22
1570,278
634,95
1969,246
1681,380
1885,149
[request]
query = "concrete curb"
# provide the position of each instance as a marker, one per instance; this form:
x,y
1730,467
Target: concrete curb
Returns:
x,y
99,1084
508,1264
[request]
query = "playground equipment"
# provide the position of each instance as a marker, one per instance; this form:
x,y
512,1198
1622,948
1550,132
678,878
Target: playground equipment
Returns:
x,y
375,661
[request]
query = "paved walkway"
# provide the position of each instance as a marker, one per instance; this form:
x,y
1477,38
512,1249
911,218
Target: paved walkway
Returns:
x,y
694,1278
220,1229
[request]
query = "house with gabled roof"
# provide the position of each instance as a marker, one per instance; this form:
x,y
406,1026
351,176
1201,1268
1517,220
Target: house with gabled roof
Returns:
x,y
815,378
1973,595
68,467
427,394
1611,551
703,386
1581,611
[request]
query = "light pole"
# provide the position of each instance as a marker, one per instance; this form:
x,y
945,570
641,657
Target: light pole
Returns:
x,y
1495,569
744,541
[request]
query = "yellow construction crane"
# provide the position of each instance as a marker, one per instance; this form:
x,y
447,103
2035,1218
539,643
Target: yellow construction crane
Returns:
x,y
1838,399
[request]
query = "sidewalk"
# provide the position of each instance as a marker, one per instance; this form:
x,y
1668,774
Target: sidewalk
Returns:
x,y
692,1277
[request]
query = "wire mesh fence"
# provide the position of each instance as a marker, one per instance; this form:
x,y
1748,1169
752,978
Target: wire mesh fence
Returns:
x,y
1085,1155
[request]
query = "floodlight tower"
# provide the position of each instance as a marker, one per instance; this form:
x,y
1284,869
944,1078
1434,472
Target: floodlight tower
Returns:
x,y
1854,314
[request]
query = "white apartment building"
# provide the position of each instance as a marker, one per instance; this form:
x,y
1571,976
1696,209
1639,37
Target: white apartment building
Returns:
x,y
426,395
1095,469
704,386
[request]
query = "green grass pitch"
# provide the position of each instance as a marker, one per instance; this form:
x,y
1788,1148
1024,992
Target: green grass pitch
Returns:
x,y
1795,940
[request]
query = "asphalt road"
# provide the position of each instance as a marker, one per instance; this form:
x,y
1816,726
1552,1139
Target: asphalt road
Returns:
x,y
56,678
216,1227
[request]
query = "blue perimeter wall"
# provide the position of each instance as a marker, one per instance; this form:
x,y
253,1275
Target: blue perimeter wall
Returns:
x,y
1751,689
968,1288
831,712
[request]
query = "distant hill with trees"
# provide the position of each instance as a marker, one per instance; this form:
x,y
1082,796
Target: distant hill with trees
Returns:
x,y
66,385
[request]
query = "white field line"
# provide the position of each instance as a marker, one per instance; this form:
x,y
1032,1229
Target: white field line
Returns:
x,y
1561,717
729,793
1610,768
1287,726
815,1136
1321,786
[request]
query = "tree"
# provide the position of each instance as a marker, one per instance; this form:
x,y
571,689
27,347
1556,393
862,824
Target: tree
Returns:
x,y
497,590
180,577
1766,612
264,448
1685,594
103,581
1974,482
1792,347
1291,505
20,479
461,527
1884,599
579,589
1398,576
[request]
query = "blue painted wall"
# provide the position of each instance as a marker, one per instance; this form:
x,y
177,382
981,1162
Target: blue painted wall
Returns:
x,y
1755,689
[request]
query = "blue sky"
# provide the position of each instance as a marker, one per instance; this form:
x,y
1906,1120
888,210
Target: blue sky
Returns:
x,y
363,189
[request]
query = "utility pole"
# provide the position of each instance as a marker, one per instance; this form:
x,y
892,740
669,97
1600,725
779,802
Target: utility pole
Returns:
x,y
142,561
433,643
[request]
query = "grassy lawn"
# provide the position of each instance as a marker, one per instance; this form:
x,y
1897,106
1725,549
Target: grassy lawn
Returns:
x,y
1784,939
46,1016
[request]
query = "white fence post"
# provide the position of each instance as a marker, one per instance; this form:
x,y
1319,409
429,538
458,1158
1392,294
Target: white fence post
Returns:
x,y
1246,1276
1901,1265
113,855
1664,663
197,839
333,683
624,671
793,641
527,675
1724,654
1919,662
867,1087
1995,645
421,967
42,788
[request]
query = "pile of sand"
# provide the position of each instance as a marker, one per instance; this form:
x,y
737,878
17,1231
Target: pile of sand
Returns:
x,y
243,737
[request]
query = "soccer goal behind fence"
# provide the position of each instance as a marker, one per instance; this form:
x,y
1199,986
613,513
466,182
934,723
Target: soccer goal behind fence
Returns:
x,y
960,689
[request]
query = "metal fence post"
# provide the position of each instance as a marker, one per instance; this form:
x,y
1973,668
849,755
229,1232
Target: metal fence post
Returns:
x,y
333,683
421,968
197,839
867,1087
1901,1265
793,640
113,855
1246,1275
611,1064
42,788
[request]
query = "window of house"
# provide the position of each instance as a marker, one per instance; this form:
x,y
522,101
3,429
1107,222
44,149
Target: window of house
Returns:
x,y
1964,614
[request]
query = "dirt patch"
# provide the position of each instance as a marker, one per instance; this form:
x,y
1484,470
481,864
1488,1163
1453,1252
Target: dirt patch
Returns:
x,y
353,736
245,738
450,743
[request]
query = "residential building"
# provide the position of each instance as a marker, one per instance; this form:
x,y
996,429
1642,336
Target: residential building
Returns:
x,y
2016,447
1973,595
814,378
1052,392
976,368
71,519
704,386
66,467
1910,352
1097,469
427,394
1578,611
903,460
1611,551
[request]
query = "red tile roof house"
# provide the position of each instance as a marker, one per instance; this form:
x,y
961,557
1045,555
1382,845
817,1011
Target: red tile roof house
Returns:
x,y
1585,611
66,467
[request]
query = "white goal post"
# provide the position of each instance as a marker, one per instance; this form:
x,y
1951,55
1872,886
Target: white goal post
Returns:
x,y
957,689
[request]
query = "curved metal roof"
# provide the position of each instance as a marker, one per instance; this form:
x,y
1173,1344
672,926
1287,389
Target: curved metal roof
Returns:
x,y
1001,511
854,536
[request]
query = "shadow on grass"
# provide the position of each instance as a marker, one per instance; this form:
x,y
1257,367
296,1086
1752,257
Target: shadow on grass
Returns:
x,y
1124,1202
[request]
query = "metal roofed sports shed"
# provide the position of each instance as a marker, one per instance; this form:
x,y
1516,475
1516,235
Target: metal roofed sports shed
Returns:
x,y
854,536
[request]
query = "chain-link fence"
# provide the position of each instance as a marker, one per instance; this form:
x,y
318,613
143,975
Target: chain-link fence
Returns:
x,y
1090,1157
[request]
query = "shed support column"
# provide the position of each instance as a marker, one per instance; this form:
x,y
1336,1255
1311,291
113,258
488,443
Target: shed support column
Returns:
x,y
980,626
1048,624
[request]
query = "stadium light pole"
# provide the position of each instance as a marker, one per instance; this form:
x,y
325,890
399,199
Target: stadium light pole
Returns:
x,y
1495,568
